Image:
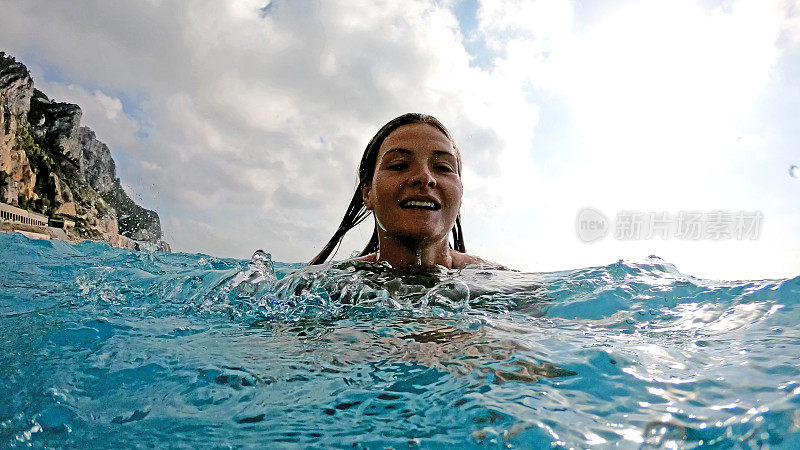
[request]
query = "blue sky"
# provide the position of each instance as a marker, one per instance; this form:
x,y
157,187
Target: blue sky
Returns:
x,y
242,126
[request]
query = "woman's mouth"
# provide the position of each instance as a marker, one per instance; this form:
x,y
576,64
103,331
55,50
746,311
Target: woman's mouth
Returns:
x,y
420,204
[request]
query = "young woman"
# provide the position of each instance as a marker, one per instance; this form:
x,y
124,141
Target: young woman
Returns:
x,y
410,179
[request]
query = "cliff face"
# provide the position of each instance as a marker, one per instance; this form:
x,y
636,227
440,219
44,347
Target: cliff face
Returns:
x,y
52,165
16,87
95,161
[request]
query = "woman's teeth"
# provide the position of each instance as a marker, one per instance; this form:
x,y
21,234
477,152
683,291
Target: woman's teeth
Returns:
x,y
418,204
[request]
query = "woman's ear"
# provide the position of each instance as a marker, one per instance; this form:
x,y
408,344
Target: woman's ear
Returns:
x,y
366,189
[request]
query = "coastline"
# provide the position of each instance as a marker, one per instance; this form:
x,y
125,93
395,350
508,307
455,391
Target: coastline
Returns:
x,y
37,226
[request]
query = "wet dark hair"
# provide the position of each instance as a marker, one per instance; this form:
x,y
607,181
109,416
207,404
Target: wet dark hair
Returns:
x,y
357,211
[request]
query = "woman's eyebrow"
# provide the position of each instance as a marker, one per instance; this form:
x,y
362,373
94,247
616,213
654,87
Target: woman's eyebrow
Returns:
x,y
444,153
398,150
406,152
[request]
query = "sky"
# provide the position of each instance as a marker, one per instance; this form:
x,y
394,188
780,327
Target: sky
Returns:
x,y
242,122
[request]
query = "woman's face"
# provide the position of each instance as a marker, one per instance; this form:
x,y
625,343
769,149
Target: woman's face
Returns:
x,y
416,189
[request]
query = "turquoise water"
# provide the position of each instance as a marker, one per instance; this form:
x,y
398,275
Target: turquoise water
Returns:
x,y
104,347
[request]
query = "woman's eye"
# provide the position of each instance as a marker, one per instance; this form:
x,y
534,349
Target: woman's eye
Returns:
x,y
444,168
397,166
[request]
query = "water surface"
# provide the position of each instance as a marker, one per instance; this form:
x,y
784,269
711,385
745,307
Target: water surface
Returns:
x,y
108,347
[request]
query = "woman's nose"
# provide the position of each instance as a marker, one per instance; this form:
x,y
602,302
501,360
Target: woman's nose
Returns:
x,y
423,176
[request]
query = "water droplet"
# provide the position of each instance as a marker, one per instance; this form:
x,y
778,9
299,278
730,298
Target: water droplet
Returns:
x,y
794,171
261,256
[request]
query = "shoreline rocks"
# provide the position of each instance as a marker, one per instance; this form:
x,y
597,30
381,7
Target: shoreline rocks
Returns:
x,y
52,165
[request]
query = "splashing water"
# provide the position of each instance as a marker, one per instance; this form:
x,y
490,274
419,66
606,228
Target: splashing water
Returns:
x,y
153,349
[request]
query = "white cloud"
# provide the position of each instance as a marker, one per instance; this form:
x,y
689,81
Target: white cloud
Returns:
x,y
663,100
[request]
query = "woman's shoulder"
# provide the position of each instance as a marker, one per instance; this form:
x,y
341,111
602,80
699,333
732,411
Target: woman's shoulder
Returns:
x,y
372,257
462,260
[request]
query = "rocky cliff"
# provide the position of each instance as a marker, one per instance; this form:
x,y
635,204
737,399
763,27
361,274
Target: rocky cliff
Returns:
x,y
50,164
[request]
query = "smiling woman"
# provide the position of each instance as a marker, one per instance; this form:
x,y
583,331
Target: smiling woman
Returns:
x,y
410,179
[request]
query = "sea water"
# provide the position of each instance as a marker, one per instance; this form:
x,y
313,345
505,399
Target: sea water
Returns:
x,y
103,347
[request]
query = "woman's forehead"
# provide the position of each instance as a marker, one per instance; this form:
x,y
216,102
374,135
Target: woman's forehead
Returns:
x,y
417,136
